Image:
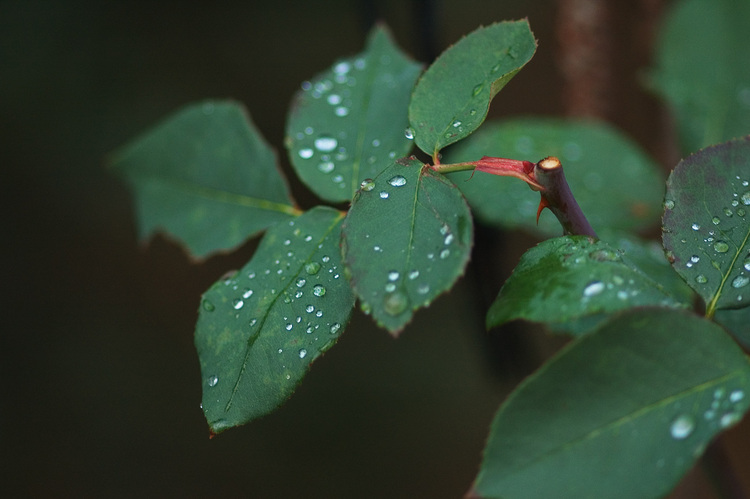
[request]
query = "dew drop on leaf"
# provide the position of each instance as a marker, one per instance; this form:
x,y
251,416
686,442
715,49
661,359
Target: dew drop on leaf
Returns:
x,y
301,282
409,133
305,153
319,290
325,143
477,90
302,353
721,246
701,279
746,198
740,281
736,396
746,263
367,184
397,181
383,195
208,306
393,275
395,303
695,227
312,268
289,326
669,204
716,220
326,166
237,304
335,327
213,380
682,427
593,289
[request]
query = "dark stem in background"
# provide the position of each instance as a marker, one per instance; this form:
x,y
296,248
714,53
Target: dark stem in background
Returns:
x,y
584,34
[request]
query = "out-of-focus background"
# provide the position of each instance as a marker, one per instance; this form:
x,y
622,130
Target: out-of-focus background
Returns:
x,y
100,385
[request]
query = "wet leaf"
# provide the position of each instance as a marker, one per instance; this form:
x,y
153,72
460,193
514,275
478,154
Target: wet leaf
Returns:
x,y
453,96
406,240
573,278
347,123
702,71
616,184
205,176
640,397
259,330
706,224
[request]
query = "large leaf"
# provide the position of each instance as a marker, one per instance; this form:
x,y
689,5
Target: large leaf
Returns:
x,y
406,239
622,412
572,278
206,176
702,70
259,330
706,225
347,124
616,184
453,96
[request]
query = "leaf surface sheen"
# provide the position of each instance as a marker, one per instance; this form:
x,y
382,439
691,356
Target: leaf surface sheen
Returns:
x,y
572,278
206,176
259,330
406,239
706,223
453,96
348,122
622,412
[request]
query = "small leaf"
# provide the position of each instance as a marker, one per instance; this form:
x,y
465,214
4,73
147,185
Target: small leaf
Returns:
x,y
259,330
453,96
406,240
347,124
706,224
622,412
572,278
206,176
702,70
615,183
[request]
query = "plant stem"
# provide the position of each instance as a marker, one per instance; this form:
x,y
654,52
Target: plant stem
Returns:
x,y
557,196
454,167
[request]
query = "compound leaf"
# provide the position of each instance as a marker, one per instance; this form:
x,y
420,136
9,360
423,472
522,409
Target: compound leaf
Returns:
x,y
572,278
206,176
616,184
259,330
453,96
347,124
622,412
706,227
406,239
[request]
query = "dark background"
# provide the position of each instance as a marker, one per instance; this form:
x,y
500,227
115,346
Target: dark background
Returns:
x,y
100,382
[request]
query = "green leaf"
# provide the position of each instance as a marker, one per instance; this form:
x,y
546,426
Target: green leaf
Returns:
x,y
406,239
616,184
702,70
259,330
347,124
737,322
453,96
648,256
573,278
622,412
706,225
206,176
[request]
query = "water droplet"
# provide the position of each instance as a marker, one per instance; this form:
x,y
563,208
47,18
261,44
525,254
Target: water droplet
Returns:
x,y
729,419
334,99
409,133
477,90
456,124
395,303
208,306
312,268
397,181
721,246
448,239
301,282
319,313
413,274
326,166
237,304
695,227
325,259
735,202
746,263
305,153
319,290
736,396
367,184
289,326
253,322
423,289
716,220
302,353
445,254
335,327
390,287
383,195
701,279
325,143
695,259
669,204
741,212
213,380
341,111
682,427
746,198
593,288
393,275
740,281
